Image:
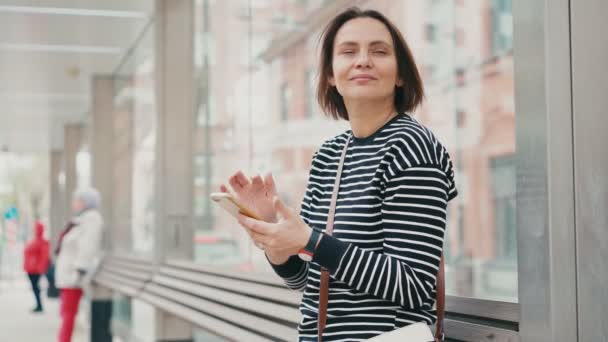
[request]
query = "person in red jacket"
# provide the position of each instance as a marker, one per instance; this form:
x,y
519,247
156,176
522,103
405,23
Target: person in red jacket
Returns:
x,y
36,261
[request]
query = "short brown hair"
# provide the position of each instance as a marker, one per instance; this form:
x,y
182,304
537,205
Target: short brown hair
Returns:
x,y
407,97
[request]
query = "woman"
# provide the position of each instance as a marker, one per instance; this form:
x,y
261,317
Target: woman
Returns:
x,y
78,247
36,261
397,178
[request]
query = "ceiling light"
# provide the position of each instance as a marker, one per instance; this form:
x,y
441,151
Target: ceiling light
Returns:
x,y
73,11
43,96
108,50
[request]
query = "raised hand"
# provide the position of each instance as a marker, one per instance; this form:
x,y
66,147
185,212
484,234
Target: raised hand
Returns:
x,y
256,194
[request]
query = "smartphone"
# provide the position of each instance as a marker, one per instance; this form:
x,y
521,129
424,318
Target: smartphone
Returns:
x,y
231,205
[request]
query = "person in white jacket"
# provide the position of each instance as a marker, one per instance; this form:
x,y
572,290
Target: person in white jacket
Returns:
x,y
79,247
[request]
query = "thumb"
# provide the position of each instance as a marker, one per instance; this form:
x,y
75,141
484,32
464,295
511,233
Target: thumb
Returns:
x,y
281,208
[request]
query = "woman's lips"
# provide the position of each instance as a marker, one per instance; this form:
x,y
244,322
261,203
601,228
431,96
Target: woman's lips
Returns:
x,y
362,78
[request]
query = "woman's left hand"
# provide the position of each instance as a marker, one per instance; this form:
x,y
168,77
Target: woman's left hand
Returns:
x,y
282,239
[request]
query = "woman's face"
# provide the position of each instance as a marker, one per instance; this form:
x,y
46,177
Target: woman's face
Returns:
x,y
364,63
77,205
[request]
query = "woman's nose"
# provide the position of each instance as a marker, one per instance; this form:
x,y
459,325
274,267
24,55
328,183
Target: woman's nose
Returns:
x,y
363,60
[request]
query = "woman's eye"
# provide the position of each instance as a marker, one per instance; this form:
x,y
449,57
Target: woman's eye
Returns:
x,y
380,52
348,52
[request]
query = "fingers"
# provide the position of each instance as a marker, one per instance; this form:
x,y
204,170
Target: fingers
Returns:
x,y
255,237
228,190
281,208
270,185
258,239
238,180
241,178
261,241
257,181
259,227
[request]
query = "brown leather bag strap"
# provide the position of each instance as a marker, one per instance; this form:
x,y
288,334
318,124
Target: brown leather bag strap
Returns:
x,y
329,229
440,301
323,298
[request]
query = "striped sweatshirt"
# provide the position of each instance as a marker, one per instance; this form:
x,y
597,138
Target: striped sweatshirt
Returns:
x,y
388,236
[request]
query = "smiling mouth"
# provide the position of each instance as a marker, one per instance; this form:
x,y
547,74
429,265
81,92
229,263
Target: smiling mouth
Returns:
x,y
362,78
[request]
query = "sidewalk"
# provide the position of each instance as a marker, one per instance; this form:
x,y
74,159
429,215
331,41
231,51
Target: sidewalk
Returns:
x,y
17,323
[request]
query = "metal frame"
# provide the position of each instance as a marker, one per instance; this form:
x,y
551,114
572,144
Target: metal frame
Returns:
x,y
464,331
481,308
545,198
589,53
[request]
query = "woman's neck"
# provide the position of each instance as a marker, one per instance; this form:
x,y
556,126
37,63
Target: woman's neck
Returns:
x,y
366,117
81,211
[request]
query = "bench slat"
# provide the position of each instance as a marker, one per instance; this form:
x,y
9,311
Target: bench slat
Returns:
x,y
263,307
237,317
283,295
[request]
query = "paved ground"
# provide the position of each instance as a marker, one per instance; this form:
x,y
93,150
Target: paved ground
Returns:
x,y
18,324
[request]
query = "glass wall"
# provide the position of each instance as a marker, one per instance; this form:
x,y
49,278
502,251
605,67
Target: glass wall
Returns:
x,y
200,335
121,313
135,144
24,199
256,65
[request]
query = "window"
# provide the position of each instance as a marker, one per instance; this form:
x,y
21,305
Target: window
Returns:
x,y
461,117
460,37
134,85
285,97
204,52
502,27
503,196
467,110
311,94
430,33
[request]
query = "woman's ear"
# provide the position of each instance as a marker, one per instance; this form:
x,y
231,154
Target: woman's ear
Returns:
x,y
331,81
399,83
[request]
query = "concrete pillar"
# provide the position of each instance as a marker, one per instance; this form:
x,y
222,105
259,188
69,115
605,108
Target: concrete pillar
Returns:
x,y
102,148
57,214
102,174
174,158
57,205
176,121
72,141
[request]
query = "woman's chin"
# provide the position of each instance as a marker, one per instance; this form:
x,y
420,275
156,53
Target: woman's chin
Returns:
x,y
364,94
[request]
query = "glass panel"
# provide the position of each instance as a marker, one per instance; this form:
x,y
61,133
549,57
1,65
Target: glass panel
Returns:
x,y
121,310
200,335
261,116
245,110
135,125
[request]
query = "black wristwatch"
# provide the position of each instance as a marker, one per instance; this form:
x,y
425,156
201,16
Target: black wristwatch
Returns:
x,y
308,252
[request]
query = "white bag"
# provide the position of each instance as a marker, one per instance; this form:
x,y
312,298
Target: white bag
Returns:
x,y
417,332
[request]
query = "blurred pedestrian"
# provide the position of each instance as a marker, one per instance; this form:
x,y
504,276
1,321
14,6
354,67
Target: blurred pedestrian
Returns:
x,y
36,261
78,247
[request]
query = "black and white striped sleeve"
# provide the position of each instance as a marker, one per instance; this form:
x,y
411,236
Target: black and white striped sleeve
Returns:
x,y
413,223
